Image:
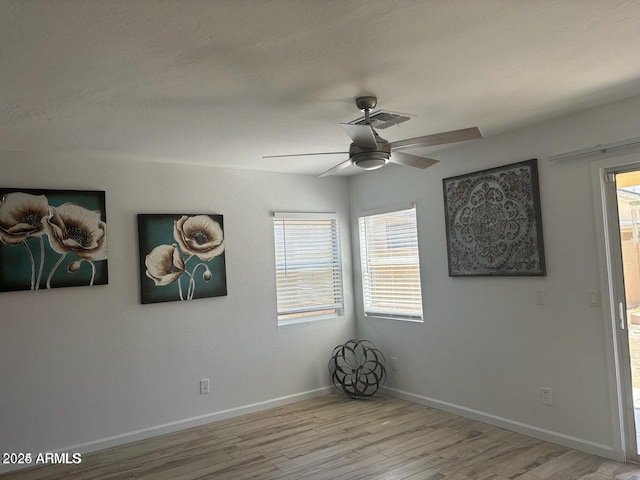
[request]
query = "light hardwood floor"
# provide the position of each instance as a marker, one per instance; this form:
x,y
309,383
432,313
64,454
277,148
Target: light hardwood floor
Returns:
x,y
332,437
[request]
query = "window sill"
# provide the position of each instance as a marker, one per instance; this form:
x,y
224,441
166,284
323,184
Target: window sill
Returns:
x,y
397,319
296,321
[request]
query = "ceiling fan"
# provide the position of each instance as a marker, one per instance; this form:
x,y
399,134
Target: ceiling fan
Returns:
x,y
370,151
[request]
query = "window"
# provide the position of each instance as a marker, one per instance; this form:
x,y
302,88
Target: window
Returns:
x,y
391,265
308,266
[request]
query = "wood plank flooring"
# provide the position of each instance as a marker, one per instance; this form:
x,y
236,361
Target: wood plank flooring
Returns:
x,y
332,437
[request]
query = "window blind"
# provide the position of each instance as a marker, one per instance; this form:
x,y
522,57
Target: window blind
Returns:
x,y
308,266
391,265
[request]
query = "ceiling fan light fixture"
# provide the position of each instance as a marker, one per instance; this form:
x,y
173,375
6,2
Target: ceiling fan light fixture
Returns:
x,y
371,160
371,163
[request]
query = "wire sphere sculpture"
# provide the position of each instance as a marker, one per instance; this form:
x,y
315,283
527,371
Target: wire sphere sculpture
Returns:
x,y
357,368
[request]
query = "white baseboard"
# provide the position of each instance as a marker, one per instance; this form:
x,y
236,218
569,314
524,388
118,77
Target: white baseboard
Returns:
x,y
134,436
587,446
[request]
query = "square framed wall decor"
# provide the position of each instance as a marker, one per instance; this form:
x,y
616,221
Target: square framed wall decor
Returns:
x,y
182,257
494,223
52,238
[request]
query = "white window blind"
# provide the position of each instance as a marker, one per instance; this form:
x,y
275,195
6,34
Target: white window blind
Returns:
x,y
391,265
308,266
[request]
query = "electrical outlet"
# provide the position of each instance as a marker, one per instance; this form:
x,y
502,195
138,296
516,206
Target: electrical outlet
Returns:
x,y
204,386
393,363
594,298
546,396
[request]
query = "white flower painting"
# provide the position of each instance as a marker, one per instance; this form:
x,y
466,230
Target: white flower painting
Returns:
x,y
43,230
181,257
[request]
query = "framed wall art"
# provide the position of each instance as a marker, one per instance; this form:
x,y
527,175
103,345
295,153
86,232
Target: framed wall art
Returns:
x,y
182,257
52,238
494,223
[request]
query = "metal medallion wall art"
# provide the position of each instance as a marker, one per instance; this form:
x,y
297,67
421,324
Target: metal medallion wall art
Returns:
x,y
181,257
357,368
493,222
52,238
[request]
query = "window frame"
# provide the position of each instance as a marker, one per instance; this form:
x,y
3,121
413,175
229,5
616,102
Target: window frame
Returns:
x,y
306,314
365,265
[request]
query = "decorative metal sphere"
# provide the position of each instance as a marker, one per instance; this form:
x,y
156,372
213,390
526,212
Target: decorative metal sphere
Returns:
x,y
357,368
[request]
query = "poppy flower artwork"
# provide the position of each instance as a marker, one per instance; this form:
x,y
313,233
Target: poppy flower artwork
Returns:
x,y
52,238
181,257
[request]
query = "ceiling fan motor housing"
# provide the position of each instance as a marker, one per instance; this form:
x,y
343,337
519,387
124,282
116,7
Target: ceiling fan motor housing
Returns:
x,y
369,158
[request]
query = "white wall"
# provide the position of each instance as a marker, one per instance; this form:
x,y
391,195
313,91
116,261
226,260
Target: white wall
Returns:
x,y
81,365
87,366
485,348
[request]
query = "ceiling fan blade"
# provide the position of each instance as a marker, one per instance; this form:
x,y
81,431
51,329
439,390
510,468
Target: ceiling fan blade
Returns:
x,y
408,160
336,169
306,154
362,135
439,138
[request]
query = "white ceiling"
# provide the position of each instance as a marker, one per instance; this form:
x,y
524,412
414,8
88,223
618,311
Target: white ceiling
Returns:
x,y
225,82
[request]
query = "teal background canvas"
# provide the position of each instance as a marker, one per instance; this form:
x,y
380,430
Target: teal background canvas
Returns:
x,y
157,229
15,264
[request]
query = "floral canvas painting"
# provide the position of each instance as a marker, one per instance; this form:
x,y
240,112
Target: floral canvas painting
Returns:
x,y
182,257
52,238
493,222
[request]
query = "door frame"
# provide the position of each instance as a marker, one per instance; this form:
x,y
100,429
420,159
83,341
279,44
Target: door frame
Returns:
x,y
613,295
